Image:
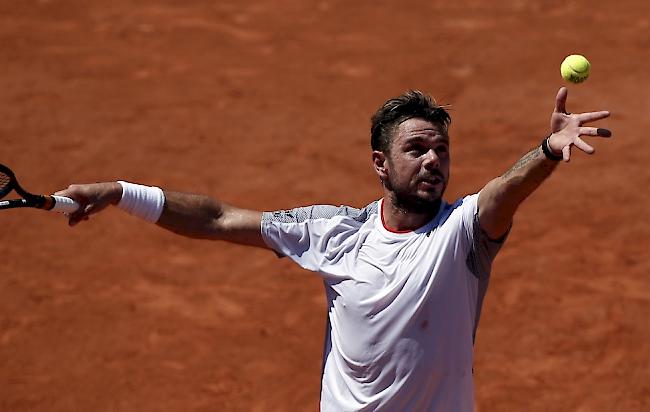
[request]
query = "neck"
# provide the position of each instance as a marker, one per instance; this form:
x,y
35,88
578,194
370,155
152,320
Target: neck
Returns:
x,y
400,219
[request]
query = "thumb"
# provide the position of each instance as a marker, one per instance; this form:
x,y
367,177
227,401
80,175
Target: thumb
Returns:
x,y
75,193
560,100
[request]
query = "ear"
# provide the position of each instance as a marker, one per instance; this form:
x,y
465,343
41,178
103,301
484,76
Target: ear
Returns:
x,y
380,163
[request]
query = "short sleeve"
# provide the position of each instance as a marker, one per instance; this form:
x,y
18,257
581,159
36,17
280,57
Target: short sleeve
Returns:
x,y
309,234
483,250
469,209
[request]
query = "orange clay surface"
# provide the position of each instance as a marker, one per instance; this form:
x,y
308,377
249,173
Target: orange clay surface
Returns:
x,y
266,105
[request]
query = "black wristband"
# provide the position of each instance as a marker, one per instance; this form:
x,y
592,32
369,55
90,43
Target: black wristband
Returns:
x,y
547,151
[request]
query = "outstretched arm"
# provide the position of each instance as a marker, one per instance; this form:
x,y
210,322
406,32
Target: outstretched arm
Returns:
x,y
500,198
206,218
189,215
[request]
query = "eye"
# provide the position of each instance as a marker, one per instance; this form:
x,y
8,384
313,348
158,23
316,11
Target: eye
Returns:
x,y
415,150
442,149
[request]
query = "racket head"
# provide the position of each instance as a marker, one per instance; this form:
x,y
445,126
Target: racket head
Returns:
x,y
7,180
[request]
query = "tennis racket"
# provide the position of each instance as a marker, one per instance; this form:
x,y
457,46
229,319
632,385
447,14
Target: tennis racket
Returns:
x,y
8,183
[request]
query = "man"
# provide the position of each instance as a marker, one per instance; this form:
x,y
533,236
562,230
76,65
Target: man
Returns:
x,y
405,276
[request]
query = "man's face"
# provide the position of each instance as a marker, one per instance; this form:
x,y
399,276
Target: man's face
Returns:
x,y
417,166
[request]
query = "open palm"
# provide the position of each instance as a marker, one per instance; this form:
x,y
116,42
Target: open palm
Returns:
x,y
567,128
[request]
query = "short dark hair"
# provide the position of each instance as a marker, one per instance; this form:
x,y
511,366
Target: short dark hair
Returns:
x,y
410,104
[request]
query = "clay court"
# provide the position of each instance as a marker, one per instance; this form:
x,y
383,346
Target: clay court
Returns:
x,y
266,105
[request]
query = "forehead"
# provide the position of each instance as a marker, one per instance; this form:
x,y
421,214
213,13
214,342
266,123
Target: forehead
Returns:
x,y
420,129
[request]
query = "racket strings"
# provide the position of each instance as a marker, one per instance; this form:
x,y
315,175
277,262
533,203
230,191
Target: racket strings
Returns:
x,y
5,184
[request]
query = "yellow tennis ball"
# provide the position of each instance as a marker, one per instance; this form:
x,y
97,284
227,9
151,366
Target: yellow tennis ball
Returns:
x,y
575,68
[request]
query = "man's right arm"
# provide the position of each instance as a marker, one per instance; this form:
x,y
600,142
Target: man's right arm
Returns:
x,y
202,217
189,215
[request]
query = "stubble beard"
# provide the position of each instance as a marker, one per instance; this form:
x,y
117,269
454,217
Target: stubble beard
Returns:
x,y
407,202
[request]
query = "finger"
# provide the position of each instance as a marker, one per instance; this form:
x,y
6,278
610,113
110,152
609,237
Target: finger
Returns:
x,y
591,116
74,220
560,100
603,132
566,153
594,131
582,145
94,208
81,214
89,209
73,194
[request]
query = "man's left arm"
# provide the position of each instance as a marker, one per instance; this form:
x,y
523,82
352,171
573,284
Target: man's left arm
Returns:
x,y
499,199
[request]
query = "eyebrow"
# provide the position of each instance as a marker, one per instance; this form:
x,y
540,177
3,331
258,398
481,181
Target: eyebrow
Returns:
x,y
419,138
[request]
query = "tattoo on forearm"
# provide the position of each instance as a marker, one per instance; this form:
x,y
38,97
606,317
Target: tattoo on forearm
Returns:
x,y
538,172
521,163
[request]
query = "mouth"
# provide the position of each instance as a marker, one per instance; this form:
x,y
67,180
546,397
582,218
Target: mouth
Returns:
x,y
431,181
430,184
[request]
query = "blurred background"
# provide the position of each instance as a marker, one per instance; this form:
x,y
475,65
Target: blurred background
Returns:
x,y
266,105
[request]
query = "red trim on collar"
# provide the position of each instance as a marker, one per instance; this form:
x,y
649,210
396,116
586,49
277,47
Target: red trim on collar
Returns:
x,y
383,222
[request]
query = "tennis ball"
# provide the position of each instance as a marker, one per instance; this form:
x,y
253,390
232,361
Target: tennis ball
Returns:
x,y
575,68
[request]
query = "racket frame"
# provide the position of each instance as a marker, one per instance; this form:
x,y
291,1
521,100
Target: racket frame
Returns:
x,y
45,202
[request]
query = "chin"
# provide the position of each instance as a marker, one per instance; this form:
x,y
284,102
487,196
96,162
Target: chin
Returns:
x,y
430,201
429,196
419,203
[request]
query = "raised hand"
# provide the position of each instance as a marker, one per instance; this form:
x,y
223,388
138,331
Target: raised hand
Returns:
x,y
567,128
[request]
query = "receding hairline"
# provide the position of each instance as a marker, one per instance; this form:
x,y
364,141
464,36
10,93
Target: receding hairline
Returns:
x,y
412,104
442,126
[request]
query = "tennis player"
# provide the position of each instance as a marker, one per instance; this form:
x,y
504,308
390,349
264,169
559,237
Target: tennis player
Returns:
x,y
405,276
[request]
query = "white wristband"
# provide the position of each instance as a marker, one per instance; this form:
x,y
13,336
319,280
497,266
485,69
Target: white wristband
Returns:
x,y
145,202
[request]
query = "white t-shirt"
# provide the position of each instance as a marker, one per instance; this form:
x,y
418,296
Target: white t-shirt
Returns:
x,y
403,307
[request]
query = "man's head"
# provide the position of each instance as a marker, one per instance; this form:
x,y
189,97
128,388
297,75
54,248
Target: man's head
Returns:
x,y
410,147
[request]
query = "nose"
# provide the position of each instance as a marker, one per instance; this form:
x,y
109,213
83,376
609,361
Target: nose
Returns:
x,y
431,160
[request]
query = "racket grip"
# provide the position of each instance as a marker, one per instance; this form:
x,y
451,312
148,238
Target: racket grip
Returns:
x,y
64,204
